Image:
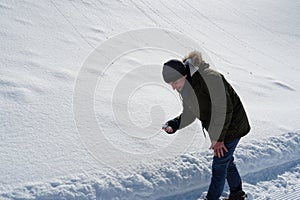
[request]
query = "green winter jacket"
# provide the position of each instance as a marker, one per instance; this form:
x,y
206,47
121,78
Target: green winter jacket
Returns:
x,y
209,97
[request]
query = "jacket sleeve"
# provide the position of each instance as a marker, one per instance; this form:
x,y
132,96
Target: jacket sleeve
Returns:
x,y
229,111
186,117
222,109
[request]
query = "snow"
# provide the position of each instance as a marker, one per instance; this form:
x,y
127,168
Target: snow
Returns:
x,y
273,168
83,100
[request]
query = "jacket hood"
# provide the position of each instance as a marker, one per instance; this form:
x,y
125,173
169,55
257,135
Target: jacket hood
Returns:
x,y
195,62
195,58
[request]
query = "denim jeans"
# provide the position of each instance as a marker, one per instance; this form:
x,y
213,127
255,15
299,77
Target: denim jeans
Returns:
x,y
224,168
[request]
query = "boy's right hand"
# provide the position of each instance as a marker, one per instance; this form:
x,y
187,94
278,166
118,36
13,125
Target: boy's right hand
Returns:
x,y
171,126
167,128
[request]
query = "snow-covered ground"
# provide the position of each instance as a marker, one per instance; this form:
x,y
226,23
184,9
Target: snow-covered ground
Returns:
x,y
82,97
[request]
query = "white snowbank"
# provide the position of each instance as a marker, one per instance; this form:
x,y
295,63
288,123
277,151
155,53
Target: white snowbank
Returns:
x,y
257,161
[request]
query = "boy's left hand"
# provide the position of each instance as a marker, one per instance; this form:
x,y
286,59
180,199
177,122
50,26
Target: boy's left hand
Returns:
x,y
219,148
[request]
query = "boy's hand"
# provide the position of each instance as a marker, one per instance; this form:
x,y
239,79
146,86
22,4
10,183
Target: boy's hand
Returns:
x,y
218,148
167,128
171,126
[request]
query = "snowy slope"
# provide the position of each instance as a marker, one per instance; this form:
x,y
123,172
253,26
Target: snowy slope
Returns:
x,y
46,44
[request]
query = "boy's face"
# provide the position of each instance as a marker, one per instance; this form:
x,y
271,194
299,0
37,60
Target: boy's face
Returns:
x,y
178,84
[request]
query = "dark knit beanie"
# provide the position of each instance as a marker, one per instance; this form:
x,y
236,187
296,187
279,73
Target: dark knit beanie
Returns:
x,y
173,70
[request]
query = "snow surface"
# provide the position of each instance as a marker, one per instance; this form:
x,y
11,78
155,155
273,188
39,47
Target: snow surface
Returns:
x,y
45,45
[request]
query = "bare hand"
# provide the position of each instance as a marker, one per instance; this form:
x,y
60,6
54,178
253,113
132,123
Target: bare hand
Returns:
x,y
168,129
218,148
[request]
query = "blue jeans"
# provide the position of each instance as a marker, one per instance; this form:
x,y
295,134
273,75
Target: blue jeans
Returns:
x,y
224,168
